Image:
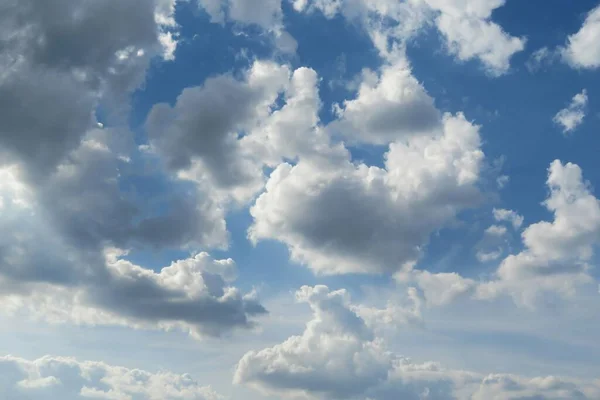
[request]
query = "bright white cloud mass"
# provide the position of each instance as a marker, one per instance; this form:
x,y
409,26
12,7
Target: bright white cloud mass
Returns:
x,y
173,171
572,116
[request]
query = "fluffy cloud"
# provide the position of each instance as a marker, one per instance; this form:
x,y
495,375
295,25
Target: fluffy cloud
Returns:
x,y
338,217
555,259
225,147
490,247
59,60
66,378
339,356
55,261
466,25
389,107
199,136
511,216
194,295
581,50
267,14
571,117
470,33
438,289
556,253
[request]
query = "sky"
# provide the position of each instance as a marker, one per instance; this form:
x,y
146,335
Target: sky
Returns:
x,y
299,199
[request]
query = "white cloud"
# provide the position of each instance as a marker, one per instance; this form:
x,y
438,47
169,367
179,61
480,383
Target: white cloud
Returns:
x,y
496,230
389,106
438,288
267,14
509,216
487,256
340,356
502,181
337,356
492,245
169,43
555,259
466,25
540,58
572,116
338,217
66,378
556,253
470,33
582,49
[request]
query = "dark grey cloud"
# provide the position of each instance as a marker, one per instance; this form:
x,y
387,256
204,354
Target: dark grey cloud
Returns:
x,y
59,59
64,204
206,123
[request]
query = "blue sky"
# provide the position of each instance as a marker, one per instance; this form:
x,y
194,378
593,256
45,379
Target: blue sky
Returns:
x,y
303,199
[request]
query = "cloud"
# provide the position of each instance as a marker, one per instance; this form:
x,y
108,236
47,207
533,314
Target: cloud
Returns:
x,y
509,216
340,356
465,25
194,295
388,107
571,117
56,260
339,217
266,14
470,33
581,50
337,356
555,259
556,253
66,378
439,288
496,230
540,58
88,200
199,136
491,246
60,61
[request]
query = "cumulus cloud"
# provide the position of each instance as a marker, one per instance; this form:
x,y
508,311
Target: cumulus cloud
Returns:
x,y
199,136
339,217
388,107
491,246
55,261
510,216
59,60
339,356
438,289
222,134
556,256
556,253
267,14
581,50
470,33
465,25
66,378
572,116
194,295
